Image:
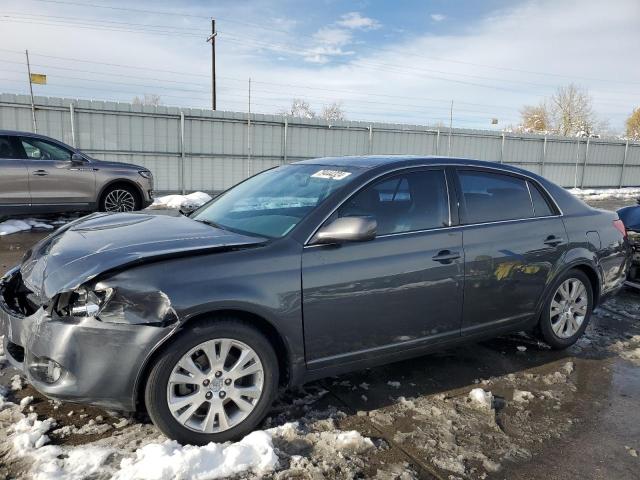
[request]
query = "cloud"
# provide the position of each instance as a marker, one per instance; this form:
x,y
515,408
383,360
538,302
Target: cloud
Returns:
x,y
438,17
412,78
330,40
333,36
355,20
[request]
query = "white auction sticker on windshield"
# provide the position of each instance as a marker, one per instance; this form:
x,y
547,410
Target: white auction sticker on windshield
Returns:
x,y
331,174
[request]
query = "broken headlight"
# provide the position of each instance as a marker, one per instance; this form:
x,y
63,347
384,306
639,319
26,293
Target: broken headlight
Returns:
x,y
89,302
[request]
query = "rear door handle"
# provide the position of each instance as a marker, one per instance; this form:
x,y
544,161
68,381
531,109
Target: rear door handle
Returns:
x,y
446,256
554,241
40,173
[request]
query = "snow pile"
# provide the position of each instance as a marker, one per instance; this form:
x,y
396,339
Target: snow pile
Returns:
x,y
351,440
603,193
181,202
522,396
629,349
171,460
30,433
13,226
481,398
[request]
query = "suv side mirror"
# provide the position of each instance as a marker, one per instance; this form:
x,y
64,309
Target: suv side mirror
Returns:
x,y
77,158
347,229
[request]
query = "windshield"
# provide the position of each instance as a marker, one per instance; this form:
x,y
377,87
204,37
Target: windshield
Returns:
x,y
272,203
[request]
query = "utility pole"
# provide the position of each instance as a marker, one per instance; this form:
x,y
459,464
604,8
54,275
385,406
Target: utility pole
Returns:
x,y
212,39
33,106
249,133
450,129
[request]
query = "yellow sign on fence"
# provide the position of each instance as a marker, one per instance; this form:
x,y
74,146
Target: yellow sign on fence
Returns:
x,y
39,78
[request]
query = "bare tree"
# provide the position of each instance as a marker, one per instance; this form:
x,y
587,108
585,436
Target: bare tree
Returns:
x,y
535,119
333,112
149,99
633,125
572,113
568,112
299,109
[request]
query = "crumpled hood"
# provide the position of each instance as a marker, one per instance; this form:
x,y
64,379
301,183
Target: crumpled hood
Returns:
x,y
92,245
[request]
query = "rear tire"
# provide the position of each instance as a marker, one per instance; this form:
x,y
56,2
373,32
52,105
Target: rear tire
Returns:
x,y
120,198
567,310
224,413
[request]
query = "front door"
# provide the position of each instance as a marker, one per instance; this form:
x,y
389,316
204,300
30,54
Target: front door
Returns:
x,y
513,239
401,290
14,184
53,177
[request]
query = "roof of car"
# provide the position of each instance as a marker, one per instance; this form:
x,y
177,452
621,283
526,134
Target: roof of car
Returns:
x,y
21,133
371,161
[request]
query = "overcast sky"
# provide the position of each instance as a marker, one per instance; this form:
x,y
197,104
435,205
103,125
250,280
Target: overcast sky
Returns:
x,y
396,61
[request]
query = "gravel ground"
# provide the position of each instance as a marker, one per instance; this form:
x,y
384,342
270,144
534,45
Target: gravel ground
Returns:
x,y
505,408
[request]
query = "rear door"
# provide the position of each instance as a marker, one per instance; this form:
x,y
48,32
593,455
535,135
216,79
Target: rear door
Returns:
x,y
53,177
14,183
401,290
513,237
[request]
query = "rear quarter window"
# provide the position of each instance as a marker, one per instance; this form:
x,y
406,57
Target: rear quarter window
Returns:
x,y
541,206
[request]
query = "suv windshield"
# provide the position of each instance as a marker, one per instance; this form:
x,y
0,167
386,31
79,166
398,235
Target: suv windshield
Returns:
x,y
272,203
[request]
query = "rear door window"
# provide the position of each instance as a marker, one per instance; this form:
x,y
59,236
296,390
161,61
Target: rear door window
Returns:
x,y
9,149
492,197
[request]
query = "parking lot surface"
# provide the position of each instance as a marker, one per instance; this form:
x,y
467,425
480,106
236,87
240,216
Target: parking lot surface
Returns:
x,y
549,414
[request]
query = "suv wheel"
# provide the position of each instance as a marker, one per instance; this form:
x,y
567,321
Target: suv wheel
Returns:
x,y
215,383
567,311
120,198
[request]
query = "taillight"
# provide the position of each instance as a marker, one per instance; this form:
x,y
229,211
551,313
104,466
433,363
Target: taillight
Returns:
x,y
620,227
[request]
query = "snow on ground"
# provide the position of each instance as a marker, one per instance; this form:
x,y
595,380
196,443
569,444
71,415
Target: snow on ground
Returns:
x,y
13,226
169,460
186,202
602,193
312,447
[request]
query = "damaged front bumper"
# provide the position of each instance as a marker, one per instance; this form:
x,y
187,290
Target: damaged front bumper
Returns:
x,y
82,360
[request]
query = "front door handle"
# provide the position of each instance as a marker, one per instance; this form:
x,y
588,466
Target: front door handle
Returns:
x,y
446,256
554,241
40,173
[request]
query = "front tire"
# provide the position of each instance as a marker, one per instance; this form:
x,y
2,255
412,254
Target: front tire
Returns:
x,y
120,198
214,383
567,311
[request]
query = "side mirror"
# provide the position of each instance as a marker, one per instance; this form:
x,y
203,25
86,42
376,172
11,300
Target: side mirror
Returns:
x,y
347,229
77,158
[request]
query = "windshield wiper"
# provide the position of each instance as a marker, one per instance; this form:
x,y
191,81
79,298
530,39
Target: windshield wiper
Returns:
x,y
210,223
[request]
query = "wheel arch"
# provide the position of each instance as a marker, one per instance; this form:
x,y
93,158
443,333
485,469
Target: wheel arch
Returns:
x,y
283,353
585,266
117,182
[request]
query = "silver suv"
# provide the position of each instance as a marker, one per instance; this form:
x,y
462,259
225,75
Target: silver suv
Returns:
x,y
40,175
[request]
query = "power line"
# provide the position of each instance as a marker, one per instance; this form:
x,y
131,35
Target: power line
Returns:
x,y
283,97
306,87
403,52
380,113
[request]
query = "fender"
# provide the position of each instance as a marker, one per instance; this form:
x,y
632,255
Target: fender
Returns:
x,y
576,257
295,364
126,181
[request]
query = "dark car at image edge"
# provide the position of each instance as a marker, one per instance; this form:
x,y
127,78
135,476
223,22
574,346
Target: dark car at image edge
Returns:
x,y
39,174
302,271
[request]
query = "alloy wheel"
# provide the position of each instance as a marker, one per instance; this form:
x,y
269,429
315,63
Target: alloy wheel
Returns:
x,y
215,385
569,307
119,201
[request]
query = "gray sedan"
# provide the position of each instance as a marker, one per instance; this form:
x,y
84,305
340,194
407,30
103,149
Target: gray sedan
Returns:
x,y
41,175
302,271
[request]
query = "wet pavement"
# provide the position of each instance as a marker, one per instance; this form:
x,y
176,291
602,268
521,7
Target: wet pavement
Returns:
x,y
554,414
